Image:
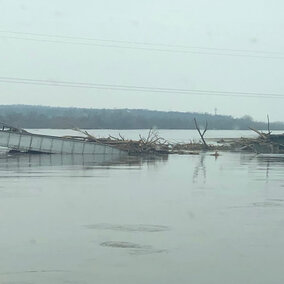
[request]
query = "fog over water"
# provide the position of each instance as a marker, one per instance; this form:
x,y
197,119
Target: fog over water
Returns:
x,y
84,219
217,46
76,219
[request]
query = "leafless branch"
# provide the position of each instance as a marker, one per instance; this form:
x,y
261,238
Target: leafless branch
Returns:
x,y
268,125
201,134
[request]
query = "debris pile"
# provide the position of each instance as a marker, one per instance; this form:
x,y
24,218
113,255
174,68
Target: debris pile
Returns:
x,y
152,144
264,143
195,147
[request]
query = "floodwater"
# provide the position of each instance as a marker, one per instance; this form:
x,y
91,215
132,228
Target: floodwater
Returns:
x,y
176,219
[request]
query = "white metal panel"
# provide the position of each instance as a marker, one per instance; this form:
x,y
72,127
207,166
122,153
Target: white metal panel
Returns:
x,y
115,151
56,146
46,144
89,148
78,147
4,139
67,146
14,140
101,149
25,142
36,143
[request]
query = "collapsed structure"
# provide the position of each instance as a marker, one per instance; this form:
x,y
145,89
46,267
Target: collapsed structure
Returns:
x,y
20,140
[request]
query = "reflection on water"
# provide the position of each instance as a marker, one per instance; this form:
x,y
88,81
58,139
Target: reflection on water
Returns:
x,y
124,245
22,160
270,161
268,204
200,167
133,249
106,219
32,271
129,228
275,158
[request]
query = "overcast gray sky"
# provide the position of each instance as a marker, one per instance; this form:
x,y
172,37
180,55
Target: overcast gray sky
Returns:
x,y
250,25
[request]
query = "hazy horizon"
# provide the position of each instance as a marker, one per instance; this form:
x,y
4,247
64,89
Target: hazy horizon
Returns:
x,y
144,109
167,170
227,55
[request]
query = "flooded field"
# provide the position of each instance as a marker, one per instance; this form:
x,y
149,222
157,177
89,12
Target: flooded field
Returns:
x,y
176,219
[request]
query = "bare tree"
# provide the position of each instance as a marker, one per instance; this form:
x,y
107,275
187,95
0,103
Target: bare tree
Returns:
x,y
202,134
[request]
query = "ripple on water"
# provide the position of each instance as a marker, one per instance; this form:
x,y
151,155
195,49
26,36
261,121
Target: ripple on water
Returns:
x,y
273,202
267,204
129,228
133,248
145,252
16,282
115,244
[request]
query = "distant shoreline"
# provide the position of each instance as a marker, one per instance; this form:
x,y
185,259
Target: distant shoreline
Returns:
x,y
44,117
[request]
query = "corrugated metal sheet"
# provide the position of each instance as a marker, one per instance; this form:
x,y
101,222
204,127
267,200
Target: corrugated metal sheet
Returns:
x,y
52,144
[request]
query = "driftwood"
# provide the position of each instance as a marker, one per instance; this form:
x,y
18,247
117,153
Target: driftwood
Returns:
x,y
202,134
261,134
152,144
268,125
264,143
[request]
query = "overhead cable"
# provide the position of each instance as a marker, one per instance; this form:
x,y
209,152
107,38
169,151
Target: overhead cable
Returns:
x,y
133,88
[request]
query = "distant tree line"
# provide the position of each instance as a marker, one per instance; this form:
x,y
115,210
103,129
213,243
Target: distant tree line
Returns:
x,y
26,116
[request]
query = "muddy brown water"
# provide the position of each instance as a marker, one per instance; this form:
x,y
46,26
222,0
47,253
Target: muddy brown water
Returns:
x,y
181,219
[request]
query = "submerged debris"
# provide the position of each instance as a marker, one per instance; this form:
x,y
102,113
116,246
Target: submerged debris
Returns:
x,y
265,143
153,144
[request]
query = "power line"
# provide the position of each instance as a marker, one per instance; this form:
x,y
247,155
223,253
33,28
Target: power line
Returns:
x,y
142,43
15,80
133,86
142,48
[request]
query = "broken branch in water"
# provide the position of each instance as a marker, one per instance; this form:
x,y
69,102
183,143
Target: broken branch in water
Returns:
x,y
268,125
153,144
202,134
262,135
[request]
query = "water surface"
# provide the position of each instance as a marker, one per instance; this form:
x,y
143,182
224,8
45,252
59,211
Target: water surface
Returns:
x,y
176,219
